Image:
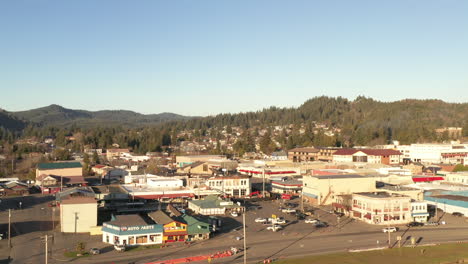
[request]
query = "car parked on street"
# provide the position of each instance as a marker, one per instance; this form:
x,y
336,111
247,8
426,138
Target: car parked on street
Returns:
x,y
389,229
261,220
321,224
234,214
94,251
458,214
431,223
288,210
311,221
280,221
415,224
274,227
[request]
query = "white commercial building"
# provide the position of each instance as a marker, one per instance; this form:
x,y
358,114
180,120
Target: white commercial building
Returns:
x,y
428,153
230,185
419,211
78,214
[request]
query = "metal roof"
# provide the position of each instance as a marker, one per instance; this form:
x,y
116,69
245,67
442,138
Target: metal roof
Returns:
x,y
58,165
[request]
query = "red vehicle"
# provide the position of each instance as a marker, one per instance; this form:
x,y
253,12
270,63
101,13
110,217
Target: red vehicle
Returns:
x,y
286,196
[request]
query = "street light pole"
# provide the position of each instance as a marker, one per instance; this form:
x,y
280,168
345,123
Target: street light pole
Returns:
x,y
245,238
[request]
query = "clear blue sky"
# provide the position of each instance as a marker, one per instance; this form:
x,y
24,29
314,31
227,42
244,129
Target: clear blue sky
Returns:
x,y
208,57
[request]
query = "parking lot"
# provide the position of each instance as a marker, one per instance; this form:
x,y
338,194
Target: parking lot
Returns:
x,y
34,220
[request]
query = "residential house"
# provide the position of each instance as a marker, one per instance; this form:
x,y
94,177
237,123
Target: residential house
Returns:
x,y
116,153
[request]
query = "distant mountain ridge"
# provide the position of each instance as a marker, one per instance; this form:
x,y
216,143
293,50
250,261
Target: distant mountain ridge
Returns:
x,y
60,116
9,122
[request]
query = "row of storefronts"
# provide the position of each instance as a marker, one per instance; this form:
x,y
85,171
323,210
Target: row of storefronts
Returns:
x,y
133,230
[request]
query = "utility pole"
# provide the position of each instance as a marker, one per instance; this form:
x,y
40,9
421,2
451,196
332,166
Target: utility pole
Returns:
x,y
76,220
53,219
9,228
46,238
302,202
245,238
263,184
46,250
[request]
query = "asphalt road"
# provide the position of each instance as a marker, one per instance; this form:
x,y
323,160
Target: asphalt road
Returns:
x,y
297,238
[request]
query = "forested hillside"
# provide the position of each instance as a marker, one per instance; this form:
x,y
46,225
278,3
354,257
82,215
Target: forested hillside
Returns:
x,y
321,121
56,115
361,121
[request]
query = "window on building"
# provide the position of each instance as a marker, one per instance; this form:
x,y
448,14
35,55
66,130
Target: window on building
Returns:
x,y
142,239
155,238
243,192
235,192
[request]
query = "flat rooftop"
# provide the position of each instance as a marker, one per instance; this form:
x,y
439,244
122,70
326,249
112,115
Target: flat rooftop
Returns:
x,y
398,188
381,195
342,176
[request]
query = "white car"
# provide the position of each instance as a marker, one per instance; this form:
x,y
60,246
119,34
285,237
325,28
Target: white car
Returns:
x,y
311,221
288,210
235,214
280,221
274,227
389,229
261,220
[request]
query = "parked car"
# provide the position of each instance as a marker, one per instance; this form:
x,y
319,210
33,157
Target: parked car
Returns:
x,y
414,224
280,221
339,214
431,223
311,221
288,210
274,227
261,220
94,251
300,216
457,214
235,214
119,248
389,229
321,224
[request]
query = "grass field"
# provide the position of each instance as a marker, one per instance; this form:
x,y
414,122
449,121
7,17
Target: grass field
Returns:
x,y
446,253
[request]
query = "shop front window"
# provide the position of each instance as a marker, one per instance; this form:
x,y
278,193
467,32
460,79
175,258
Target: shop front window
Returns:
x,y
141,239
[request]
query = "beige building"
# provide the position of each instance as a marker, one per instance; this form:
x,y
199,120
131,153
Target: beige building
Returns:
x,y
413,193
231,185
63,168
321,190
303,154
381,208
78,214
198,167
457,177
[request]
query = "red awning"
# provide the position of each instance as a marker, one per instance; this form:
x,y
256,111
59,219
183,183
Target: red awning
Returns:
x,y
427,179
